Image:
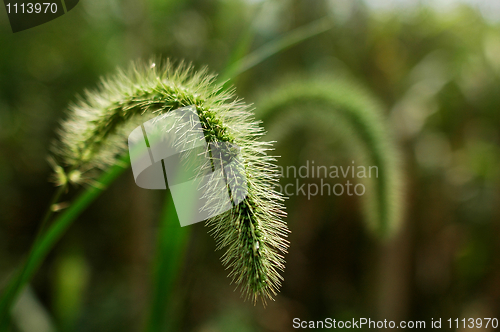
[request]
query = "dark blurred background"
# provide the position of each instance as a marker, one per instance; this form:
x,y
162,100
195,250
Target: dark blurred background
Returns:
x,y
434,66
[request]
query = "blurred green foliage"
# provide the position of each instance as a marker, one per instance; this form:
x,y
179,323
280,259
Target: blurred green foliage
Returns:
x,y
435,72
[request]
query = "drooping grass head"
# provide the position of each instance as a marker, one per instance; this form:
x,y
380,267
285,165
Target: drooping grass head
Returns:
x,y
95,134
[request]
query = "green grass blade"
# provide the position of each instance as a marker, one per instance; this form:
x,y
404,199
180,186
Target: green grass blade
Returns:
x,y
172,240
51,236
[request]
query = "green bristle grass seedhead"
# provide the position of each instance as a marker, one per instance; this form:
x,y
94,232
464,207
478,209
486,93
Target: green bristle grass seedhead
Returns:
x,y
253,232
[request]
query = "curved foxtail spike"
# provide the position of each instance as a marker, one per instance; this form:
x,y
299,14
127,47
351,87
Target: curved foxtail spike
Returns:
x,y
253,232
339,99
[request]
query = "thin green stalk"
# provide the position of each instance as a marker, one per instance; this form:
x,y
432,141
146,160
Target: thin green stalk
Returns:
x,y
13,289
240,50
45,243
172,241
50,210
